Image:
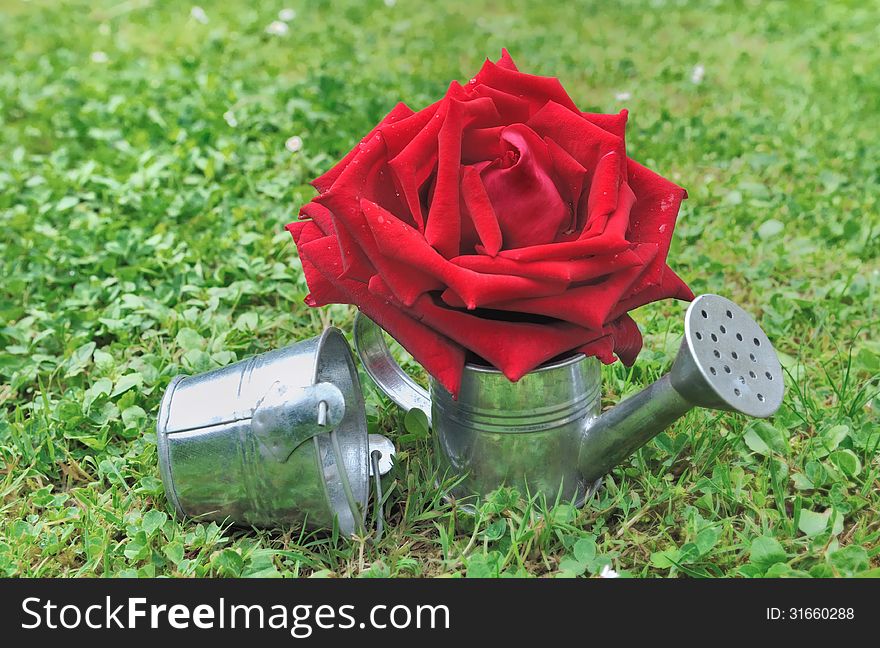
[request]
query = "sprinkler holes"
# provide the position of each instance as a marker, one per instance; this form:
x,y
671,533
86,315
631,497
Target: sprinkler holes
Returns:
x,y
761,397
716,353
712,371
734,355
769,375
723,330
752,356
704,314
699,335
736,391
726,369
714,337
739,337
742,380
753,375
756,341
729,315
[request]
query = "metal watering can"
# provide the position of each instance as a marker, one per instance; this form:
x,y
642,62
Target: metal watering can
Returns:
x,y
546,433
280,438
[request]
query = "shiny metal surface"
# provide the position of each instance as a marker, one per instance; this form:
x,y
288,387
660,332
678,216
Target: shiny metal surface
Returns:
x,y
497,433
625,428
386,450
725,362
370,345
523,434
543,432
279,438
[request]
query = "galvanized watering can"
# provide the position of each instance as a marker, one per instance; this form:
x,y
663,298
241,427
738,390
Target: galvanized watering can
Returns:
x,y
280,438
545,433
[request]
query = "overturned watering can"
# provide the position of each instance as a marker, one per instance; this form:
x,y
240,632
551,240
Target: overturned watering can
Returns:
x,y
280,438
545,432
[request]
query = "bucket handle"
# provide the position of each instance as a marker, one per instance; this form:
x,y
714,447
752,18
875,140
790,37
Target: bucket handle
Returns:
x,y
384,369
378,496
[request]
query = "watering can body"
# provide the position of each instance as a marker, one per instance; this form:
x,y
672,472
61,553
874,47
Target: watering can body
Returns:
x,y
525,434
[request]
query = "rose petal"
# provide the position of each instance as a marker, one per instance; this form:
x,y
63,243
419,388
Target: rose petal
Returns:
x,y
415,162
515,348
443,228
343,202
441,357
627,339
401,243
569,175
603,194
537,90
511,108
671,286
323,182
481,144
610,241
567,271
652,219
399,133
322,291
584,141
505,61
480,209
588,306
602,348
355,263
524,197
614,124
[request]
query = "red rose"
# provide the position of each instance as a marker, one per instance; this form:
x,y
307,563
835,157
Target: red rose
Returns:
x,y
501,221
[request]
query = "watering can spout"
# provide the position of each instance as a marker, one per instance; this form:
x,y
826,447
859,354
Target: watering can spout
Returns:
x,y
725,362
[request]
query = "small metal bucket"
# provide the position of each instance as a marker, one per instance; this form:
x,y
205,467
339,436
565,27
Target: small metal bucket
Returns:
x,y
280,438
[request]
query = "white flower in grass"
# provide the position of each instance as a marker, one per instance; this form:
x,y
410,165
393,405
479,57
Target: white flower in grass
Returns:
x,y
697,74
390,3
99,57
286,15
104,29
607,572
623,96
229,116
277,28
293,144
198,14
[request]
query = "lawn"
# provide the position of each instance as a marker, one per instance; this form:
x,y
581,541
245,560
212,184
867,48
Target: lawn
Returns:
x,y
145,182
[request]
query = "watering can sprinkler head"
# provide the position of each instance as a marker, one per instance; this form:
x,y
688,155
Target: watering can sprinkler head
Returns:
x,y
725,362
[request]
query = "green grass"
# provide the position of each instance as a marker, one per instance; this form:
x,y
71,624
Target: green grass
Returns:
x,y
141,236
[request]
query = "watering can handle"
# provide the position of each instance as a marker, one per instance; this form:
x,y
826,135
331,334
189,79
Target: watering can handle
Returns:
x,y
384,370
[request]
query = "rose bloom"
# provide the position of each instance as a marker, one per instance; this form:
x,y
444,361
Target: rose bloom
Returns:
x,y
500,225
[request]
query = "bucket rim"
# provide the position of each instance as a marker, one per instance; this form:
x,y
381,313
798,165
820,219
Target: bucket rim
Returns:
x,y
357,506
547,366
162,449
